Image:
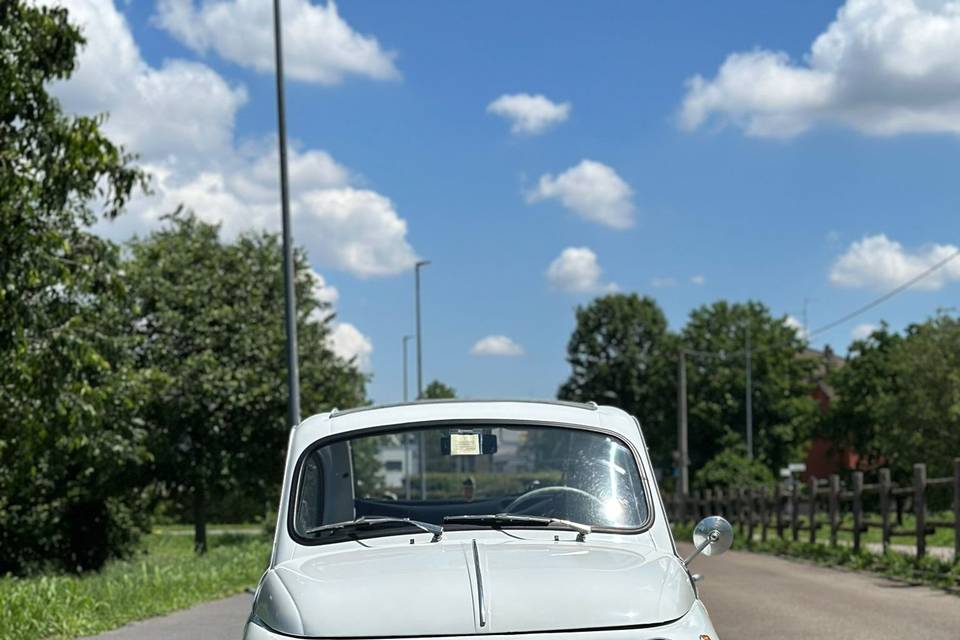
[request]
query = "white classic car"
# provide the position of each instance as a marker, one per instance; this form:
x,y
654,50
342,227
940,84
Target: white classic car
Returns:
x,y
473,518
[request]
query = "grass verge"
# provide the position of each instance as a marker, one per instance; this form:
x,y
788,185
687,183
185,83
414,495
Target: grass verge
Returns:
x,y
165,577
898,566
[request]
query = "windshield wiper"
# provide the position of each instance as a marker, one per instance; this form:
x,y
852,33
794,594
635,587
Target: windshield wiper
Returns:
x,y
499,519
377,521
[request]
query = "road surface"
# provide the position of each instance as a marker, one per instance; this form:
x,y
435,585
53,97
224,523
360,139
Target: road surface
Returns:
x,y
750,597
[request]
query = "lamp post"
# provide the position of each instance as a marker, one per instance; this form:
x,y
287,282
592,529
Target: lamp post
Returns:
x,y
406,437
290,300
421,452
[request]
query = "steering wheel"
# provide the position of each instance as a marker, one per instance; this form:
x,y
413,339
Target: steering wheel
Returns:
x,y
524,504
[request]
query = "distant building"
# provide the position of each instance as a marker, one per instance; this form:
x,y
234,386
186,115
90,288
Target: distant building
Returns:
x,y
825,457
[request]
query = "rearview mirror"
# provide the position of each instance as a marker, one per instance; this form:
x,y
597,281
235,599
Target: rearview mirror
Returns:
x,y
712,536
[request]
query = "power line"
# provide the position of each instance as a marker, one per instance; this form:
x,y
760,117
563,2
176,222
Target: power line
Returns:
x,y
870,305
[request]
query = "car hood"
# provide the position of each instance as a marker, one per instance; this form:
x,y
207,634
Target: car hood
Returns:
x,y
429,589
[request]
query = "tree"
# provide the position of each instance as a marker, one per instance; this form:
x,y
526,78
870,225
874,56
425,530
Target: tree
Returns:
x,y
732,468
621,353
437,390
898,398
784,412
208,315
71,446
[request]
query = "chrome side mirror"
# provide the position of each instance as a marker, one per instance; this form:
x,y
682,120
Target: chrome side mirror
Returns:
x,y
712,536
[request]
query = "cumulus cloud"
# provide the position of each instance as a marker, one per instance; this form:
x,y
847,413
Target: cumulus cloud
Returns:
x,y
592,190
529,115
180,119
347,342
576,270
496,345
882,67
662,282
322,291
876,262
319,46
863,331
794,323
698,280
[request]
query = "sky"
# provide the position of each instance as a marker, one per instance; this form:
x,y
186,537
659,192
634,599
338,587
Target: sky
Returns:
x,y
542,153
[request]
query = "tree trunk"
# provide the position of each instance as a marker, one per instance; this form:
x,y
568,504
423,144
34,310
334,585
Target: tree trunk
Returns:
x,y
200,519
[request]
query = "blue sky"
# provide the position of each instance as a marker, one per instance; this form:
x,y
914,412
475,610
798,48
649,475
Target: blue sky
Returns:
x,y
794,171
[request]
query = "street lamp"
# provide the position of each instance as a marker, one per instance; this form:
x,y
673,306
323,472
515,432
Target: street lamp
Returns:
x,y
421,448
290,300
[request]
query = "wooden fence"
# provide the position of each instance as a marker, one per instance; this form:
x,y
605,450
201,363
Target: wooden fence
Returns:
x,y
800,510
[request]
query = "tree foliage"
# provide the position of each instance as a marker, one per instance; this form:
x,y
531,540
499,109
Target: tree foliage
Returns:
x,y
437,390
898,398
208,316
71,445
622,354
784,412
732,468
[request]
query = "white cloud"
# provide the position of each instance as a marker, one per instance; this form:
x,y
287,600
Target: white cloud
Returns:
x,y
180,119
322,291
319,46
496,346
863,331
347,342
877,262
882,67
529,115
663,282
698,280
576,270
591,189
794,323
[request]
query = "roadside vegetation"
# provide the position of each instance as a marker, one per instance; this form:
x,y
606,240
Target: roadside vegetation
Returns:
x,y
928,571
164,576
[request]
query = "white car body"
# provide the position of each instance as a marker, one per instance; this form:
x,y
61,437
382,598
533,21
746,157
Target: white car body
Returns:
x,y
538,583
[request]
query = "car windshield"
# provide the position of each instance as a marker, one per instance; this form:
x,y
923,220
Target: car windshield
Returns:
x,y
437,473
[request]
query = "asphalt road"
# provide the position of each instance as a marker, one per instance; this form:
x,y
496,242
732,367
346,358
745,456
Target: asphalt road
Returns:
x,y
750,597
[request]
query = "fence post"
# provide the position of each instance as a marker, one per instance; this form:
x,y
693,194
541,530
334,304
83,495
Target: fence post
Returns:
x,y
751,519
778,509
765,513
834,508
857,508
885,508
920,506
956,510
812,482
697,515
794,509
708,502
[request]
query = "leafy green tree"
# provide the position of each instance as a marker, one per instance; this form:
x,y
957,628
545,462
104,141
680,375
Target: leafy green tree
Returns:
x,y
784,412
732,468
898,398
71,445
208,316
622,354
437,390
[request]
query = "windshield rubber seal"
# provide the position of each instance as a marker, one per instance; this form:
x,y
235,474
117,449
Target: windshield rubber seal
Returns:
x,y
478,422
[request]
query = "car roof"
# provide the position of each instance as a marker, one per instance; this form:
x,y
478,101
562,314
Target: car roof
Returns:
x,y
542,411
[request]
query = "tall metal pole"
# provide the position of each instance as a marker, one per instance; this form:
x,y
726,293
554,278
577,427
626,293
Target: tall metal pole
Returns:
x,y
406,339
682,444
406,436
749,398
422,453
290,297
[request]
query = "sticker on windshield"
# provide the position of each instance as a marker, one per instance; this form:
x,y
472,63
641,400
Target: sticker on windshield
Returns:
x,y
464,444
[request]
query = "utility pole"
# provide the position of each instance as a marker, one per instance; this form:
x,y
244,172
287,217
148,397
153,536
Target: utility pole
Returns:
x,y
406,339
749,394
682,444
422,450
290,300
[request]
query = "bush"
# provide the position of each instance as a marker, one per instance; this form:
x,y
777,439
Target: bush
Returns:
x,y
732,468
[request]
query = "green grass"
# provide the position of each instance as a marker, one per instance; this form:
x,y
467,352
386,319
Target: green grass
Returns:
x,y
165,577
942,536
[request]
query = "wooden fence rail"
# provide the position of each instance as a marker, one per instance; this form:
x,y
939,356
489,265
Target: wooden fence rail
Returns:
x,y
778,510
